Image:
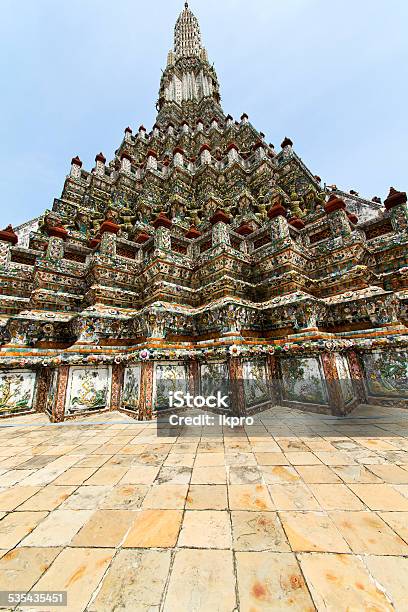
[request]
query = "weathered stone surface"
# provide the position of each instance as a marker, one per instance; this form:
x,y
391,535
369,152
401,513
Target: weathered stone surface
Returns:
x,y
366,533
271,581
207,497
209,475
58,528
355,473
205,529
140,475
48,498
195,583
154,529
380,497
87,497
10,498
280,474
391,573
319,474
77,571
293,497
166,497
22,567
135,582
124,497
16,525
398,521
341,582
105,528
312,531
250,497
336,497
258,531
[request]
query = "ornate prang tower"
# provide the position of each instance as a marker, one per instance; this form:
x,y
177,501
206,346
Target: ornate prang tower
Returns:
x,y
200,254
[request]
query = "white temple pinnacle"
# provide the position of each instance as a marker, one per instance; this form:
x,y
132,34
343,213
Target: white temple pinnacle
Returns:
x,y
188,76
187,35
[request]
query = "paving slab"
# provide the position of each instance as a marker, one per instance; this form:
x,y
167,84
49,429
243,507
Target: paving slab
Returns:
x,y
298,512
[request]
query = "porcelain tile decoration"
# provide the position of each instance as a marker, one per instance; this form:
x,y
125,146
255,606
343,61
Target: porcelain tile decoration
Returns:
x,y
199,257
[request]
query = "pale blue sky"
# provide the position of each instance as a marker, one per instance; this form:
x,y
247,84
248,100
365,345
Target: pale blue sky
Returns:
x,y
330,74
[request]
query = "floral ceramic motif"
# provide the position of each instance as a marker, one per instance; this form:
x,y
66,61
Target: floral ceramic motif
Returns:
x,y
168,378
214,377
131,388
88,389
302,380
16,391
387,373
255,382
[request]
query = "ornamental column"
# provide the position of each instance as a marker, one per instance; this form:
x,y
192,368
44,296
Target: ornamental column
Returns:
x,y
125,163
220,232
396,204
287,147
8,238
279,228
100,161
232,152
118,371
331,375
162,236
108,231
178,157
274,382
151,160
194,376
128,134
58,234
146,391
76,166
205,154
357,375
259,148
193,249
58,409
238,406
336,213
44,377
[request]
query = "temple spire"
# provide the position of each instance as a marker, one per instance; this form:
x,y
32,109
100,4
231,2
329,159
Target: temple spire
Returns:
x,y
188,76
187,35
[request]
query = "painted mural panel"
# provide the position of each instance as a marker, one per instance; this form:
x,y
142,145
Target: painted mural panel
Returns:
x,y
88,389
214,376
302,380
168,377
16,391
387,373
344,378
131,388
255,382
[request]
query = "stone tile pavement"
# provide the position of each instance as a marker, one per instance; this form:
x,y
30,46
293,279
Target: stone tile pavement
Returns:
x,y
297,512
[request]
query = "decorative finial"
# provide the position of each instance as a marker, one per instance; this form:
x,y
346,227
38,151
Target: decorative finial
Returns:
x,y
186,5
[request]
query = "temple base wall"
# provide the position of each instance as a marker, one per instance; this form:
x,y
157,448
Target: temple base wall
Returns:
x,y
329,382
